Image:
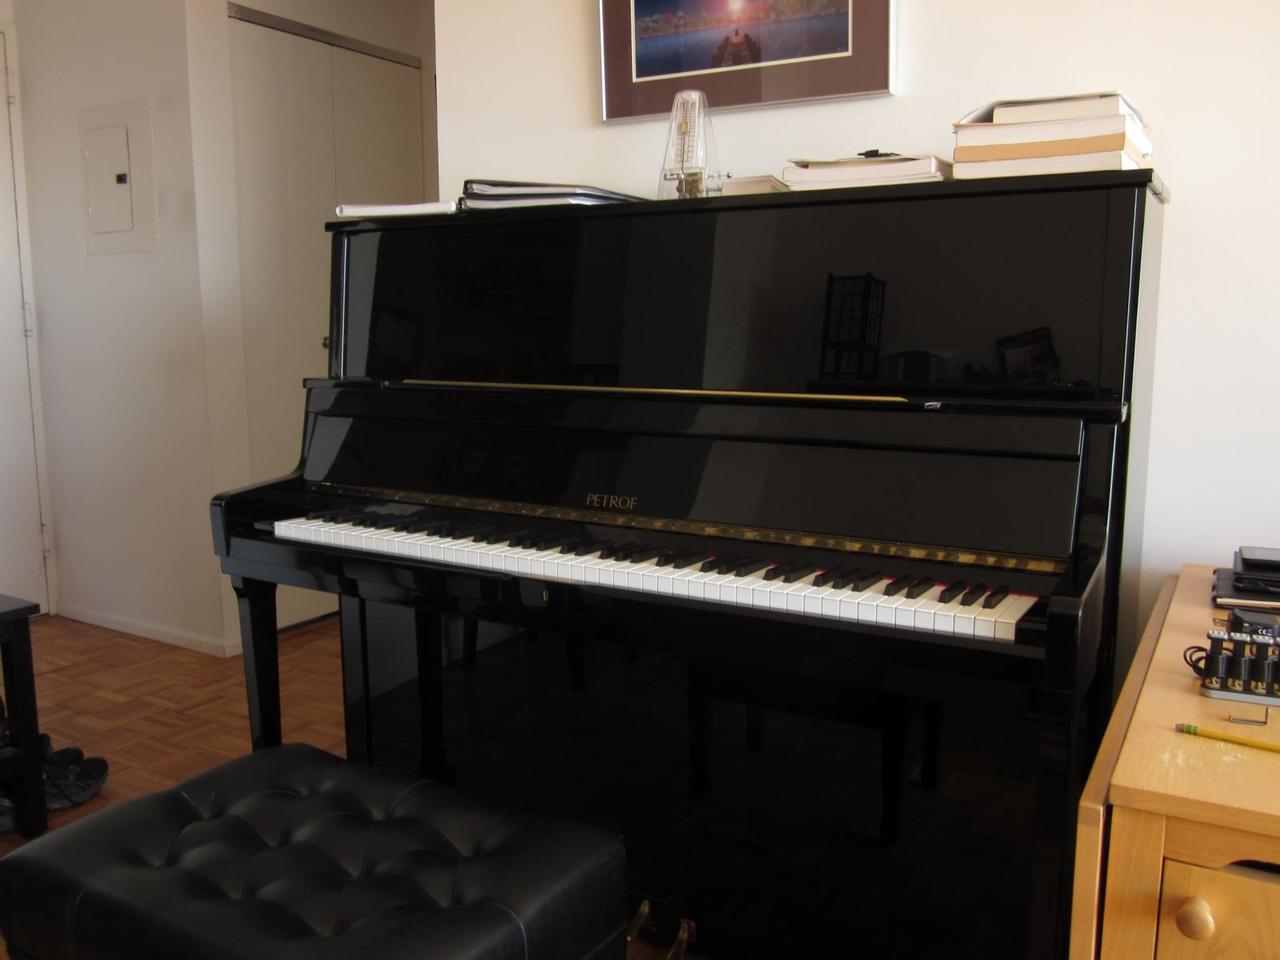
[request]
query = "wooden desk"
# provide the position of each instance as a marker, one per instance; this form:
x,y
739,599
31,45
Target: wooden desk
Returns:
x,y
1167,819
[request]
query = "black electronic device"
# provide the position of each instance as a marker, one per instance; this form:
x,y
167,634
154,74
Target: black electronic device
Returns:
x,y
1259,560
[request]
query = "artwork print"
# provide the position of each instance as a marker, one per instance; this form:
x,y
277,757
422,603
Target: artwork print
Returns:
x,y
687,38
741,52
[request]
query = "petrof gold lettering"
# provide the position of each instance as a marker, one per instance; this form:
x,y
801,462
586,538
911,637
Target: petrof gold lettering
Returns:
x,y
612,501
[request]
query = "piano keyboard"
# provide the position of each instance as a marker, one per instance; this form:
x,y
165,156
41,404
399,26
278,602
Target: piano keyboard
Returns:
x,y
981,610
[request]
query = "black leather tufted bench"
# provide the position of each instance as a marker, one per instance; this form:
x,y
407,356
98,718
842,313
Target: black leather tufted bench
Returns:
x,y
292,853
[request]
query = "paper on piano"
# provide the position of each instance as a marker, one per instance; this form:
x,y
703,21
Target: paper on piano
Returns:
x,y
366,210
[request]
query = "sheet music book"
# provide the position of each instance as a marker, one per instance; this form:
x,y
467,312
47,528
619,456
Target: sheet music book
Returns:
x,y
521,188
512,200
349,211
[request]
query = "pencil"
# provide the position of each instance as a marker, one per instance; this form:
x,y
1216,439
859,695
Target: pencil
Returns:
x,y
1192,729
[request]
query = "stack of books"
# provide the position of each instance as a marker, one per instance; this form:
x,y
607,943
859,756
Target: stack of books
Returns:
x,y
865,170
504,194
1011,138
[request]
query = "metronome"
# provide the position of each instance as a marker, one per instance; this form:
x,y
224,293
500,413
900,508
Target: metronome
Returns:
x,y
691,167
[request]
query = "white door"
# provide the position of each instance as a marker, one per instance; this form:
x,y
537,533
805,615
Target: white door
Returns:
x,y
316,125
22,570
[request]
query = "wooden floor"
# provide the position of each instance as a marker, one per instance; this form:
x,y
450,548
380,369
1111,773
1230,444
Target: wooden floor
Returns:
x,y
160,714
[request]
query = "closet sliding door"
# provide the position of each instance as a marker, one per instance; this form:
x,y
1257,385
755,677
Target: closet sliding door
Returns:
x,y
316,125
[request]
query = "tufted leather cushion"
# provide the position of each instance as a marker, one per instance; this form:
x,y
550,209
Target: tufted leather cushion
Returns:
x,y
293,853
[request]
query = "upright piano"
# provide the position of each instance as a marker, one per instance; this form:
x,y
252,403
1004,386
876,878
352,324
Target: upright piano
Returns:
x,y
875,438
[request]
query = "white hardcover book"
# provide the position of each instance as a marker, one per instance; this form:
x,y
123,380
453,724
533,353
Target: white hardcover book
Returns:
x,y
1031,166
366,210
863,168
983,134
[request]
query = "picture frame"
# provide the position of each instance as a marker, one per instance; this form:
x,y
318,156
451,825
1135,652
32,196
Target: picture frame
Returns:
x,y
742,52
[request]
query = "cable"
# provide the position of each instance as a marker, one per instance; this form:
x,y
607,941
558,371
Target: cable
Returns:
x,y
1194,657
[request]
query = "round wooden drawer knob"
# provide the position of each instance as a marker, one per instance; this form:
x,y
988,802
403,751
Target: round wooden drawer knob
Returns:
x,y
1195,919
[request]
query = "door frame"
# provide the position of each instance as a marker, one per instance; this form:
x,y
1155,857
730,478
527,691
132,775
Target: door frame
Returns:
x,y
9,53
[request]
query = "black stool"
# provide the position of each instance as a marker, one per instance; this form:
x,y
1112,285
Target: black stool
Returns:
x,y
21,757
291,853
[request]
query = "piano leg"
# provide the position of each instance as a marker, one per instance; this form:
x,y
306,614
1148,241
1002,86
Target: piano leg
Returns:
x,y
430,646
355,679
392,685
1057,793
257,603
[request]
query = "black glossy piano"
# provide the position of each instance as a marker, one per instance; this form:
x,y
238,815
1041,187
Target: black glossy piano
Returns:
x,y
873,439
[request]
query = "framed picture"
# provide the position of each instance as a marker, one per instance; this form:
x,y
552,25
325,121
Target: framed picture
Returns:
x,y
741,52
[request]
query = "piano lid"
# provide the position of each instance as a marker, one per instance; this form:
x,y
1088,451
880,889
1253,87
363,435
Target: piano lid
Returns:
x,y
1007,293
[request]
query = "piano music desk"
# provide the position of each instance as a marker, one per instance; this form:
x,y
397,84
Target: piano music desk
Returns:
x,y
1184,812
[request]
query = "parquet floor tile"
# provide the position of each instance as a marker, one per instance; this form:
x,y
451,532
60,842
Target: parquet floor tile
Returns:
x,y
160,714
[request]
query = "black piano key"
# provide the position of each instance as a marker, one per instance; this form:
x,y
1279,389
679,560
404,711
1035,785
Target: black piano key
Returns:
x,y
896,586
868,579
669,557
726,565
828,577
995,596
779,570
920,587
691,558
748,567
553,541
844,579
623,551
973,595
951,591
645,554
590,546
798,573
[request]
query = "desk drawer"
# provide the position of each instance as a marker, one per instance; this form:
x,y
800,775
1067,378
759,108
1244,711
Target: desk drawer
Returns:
x,y
1227,914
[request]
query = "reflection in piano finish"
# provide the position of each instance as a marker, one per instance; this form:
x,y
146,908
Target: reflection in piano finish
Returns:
x,y
873,440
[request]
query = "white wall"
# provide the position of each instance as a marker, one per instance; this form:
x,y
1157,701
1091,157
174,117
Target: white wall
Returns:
x,y
121,346
142,355
523,102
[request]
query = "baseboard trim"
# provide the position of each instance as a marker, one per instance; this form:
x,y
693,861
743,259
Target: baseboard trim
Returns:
x,y
214,646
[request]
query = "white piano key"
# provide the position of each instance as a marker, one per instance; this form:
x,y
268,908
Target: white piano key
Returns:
x,y
904,615
680,582
813,600
795,596
762,595
697,584
1007,622
984,621
965,616
635,575
944,618
872,599
537,563
886,609
654,577
711,588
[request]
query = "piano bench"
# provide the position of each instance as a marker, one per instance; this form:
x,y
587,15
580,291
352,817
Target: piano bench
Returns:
x,y
292,853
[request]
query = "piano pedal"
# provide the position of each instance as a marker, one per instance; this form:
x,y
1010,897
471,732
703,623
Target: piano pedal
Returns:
x,y
640,922
687,936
